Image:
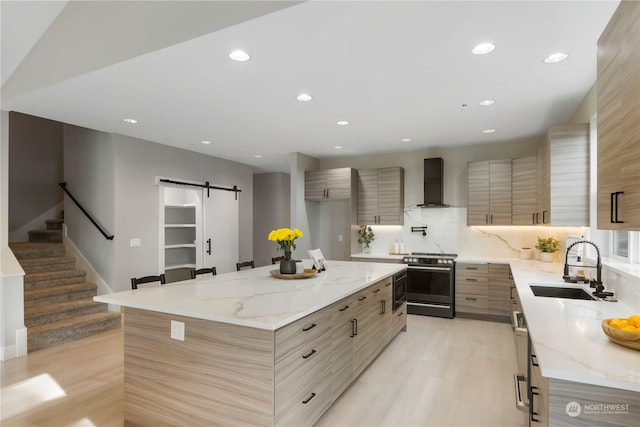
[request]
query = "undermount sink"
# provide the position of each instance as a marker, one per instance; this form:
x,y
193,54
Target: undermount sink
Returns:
x,y
560,292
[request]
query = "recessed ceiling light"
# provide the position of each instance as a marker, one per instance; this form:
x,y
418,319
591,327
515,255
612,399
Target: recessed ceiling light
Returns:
x,y
555,57
342,122
338,147
488,131
130,121
205,142
304,97
405,140
483,48
257,156
239,55
487,102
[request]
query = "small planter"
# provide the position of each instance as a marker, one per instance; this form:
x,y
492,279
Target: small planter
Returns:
x,y
547,256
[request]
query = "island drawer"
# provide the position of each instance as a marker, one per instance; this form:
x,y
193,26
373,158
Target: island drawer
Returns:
x,y
474,289
299,377
300,332
305,408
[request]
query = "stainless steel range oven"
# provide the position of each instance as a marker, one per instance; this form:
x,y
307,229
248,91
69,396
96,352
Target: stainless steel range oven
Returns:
x,y
431,284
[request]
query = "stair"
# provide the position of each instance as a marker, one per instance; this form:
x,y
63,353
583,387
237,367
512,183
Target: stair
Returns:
x,y
58,301
52,234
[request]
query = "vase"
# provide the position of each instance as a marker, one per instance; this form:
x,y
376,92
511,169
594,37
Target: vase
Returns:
x,y
287,265
546,256
366,249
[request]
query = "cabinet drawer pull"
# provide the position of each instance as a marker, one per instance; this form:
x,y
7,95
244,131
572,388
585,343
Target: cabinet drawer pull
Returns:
x,y
401,313
471,268
308,328
362,298
534,392
309,398
376,291
544,217
471,299
343,308
382,308
533,218
471,280
308,355
616,220
534,360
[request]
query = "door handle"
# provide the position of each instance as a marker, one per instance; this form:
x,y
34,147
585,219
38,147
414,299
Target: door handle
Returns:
x,y
209,246
616,194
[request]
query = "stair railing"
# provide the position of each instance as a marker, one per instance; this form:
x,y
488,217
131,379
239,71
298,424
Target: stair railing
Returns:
x,y
87,214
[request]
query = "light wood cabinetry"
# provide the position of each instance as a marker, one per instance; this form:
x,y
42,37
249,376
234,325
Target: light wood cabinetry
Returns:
x,y
484,291
563,177
342,329
523,190
381,196
472,292
538,393
618,93
330,184
489,192
499,291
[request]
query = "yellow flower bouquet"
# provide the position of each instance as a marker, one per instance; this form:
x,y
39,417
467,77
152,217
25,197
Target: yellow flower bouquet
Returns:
x,y
286,238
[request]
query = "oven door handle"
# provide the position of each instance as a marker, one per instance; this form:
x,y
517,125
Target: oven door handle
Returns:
x,y
415,268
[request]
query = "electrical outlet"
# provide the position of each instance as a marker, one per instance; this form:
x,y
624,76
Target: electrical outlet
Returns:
x,y
177,330
339,237
135,243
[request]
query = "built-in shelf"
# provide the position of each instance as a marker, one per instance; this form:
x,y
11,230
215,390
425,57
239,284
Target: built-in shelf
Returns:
x,y
179,226
181,245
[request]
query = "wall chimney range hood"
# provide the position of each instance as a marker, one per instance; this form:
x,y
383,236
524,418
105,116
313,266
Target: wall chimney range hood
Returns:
x,y
433,183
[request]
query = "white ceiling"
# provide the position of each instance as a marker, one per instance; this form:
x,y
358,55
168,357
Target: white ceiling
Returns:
x,y
393,69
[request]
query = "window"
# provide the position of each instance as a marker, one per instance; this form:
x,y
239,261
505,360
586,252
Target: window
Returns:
x,y
620,244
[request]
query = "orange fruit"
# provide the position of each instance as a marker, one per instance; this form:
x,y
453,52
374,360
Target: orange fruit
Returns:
x,y
634,320
618,323
630,328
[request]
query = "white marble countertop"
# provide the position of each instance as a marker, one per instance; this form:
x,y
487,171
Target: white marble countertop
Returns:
x,y
567,334
253,297
378,255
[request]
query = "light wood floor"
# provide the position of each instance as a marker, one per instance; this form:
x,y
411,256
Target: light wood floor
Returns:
x,y
441,372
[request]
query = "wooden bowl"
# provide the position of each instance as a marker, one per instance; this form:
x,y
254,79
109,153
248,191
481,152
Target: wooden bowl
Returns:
x,y
624,338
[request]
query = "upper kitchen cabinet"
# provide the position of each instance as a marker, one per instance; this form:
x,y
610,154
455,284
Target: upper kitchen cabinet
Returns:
x,y
381,196
330,184
563,177
489,192
618,102
523,190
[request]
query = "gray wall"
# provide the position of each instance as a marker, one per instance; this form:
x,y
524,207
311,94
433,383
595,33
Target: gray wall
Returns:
x,y
89,174
137,163
271,210
35,167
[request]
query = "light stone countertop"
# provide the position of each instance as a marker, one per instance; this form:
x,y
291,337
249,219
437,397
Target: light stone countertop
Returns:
x,y
567,334
253,297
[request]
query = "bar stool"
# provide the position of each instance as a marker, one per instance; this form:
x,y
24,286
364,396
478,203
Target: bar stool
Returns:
x,y
195,272
246,264
147,279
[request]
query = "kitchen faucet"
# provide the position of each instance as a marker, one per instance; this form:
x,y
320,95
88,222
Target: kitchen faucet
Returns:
x,y
599,292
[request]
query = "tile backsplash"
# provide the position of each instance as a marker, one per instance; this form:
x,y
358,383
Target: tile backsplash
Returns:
x,y
447,231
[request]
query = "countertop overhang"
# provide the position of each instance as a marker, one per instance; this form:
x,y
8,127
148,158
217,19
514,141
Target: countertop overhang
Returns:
x,y
253,297
567,334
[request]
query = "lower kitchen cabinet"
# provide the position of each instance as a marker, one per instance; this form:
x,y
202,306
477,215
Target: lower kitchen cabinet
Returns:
x,y
484,291
538,393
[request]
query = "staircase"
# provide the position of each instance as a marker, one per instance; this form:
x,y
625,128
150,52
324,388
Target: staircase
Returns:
x,y
58,301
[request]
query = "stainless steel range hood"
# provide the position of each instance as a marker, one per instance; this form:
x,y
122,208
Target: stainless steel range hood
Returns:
x,y
433,183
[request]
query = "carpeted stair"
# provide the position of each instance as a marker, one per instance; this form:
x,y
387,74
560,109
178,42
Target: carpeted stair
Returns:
x,y
52,234
58,302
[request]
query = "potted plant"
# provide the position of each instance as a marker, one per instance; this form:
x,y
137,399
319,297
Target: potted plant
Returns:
x,y
547,248
365,237
286,238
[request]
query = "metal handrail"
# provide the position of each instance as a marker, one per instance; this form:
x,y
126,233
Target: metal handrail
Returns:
x,y
87,214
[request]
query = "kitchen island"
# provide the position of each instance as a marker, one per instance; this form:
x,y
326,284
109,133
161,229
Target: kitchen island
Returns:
x,y
246,348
